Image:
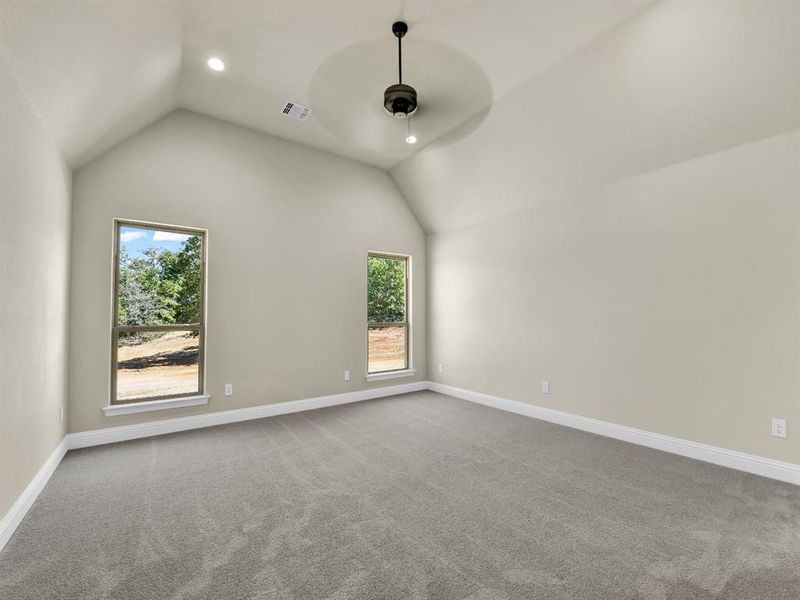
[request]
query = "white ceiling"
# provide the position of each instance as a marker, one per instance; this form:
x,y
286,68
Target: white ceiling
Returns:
x,y
680,81
97,71
94,71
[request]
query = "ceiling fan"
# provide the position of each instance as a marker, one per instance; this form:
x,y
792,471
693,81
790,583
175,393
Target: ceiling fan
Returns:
x,y
400,99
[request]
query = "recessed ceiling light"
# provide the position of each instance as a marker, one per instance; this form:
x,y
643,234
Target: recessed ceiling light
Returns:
x,y
412,139
216,64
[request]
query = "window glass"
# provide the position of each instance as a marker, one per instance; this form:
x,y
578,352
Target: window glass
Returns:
x,y
387,313
158,328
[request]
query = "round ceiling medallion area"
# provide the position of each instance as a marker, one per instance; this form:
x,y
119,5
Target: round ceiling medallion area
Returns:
x,y
346,93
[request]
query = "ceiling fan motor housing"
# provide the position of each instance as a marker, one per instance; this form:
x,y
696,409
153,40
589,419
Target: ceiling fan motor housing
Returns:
x,y
400,100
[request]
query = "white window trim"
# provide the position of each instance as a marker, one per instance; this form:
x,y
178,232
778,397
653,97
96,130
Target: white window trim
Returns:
x,y
391,374
410,371
150,405
164,403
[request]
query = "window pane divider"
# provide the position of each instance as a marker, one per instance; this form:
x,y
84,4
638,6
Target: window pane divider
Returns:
x,y
130,328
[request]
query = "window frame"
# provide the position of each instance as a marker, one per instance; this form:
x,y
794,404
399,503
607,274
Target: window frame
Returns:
x,y
406,258
116,328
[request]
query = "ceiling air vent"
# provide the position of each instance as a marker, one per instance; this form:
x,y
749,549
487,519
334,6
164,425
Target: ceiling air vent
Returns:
x,y
296,111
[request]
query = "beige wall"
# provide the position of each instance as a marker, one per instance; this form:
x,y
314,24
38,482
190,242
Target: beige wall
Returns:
x,y
625,225
289,231
34,263
668,301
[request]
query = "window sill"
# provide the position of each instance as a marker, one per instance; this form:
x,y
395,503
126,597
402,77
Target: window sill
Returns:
x,y
137,407
391,375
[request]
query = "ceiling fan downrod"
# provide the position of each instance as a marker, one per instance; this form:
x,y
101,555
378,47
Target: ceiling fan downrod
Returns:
x,y
400,100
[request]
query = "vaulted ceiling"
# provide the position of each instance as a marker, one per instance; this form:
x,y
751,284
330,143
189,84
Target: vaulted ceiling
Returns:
x,y
679,81
96,71
519,100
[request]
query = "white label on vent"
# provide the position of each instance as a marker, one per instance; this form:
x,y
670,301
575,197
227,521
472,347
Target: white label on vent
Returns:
x,y
296,111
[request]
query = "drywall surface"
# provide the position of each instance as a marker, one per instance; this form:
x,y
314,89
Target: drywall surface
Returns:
x,y
677,81
34,270
289,231
625,225
669,301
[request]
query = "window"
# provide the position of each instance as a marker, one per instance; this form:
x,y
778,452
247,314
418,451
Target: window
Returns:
x,y
158,331
387,313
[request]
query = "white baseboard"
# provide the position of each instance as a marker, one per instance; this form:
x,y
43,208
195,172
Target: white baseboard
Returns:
x,y
749,463
122,433
129,432
26,499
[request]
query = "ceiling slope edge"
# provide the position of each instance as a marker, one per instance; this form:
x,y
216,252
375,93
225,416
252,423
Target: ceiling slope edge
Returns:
x,y
636,100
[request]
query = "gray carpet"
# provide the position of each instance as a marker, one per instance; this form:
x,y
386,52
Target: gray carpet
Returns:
x,y
415,496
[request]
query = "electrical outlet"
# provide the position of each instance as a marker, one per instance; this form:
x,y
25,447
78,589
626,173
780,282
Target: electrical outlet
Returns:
x,y
440,367
229,389
347,375
545,387
779,428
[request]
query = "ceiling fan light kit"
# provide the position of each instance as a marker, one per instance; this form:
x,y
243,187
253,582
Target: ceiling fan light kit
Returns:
x,y
410,138
400,100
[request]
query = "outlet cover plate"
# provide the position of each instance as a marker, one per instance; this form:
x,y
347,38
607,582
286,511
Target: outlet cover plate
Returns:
x,y
779,428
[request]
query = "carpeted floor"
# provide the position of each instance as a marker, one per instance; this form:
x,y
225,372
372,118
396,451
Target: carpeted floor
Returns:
x,y
415,496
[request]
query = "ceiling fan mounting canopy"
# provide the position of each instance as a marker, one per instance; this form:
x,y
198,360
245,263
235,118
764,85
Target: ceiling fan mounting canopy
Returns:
x,y
399,28
400,100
